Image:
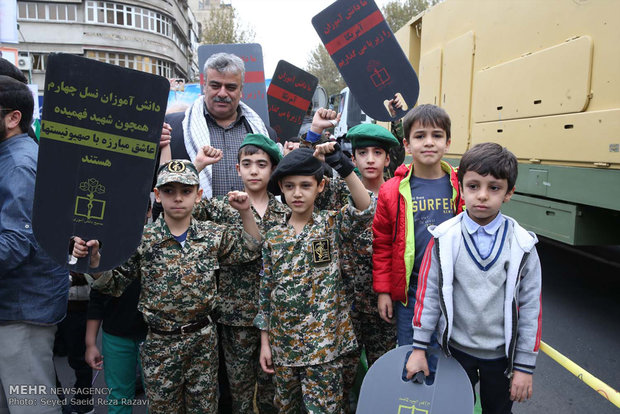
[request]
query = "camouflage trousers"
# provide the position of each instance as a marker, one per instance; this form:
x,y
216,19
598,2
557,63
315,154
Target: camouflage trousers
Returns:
x,y
312,389
373,334
180,372
241,346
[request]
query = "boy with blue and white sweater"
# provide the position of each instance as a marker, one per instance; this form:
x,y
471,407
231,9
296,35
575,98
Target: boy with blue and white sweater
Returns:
x,y
480,286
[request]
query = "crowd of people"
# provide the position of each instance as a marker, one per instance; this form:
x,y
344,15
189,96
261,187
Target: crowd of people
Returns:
x,y
268,269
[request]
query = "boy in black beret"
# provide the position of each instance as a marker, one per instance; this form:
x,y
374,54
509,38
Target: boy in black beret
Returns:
x,y
303,312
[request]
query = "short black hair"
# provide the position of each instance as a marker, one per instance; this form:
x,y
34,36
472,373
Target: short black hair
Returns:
x,y
251,150
428,116
490,158
15,95
9,69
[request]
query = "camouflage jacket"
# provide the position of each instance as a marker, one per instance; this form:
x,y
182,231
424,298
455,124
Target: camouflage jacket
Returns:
x,y
356,255
238,283
302,299
178,282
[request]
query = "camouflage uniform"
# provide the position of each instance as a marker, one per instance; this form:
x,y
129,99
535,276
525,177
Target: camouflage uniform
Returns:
x,y
178,287
302,305
237,307
372,332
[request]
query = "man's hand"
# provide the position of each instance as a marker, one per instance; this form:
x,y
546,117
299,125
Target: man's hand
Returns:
x,y
416,363
207,156
323,119
239,200
80,249
166,135
321,150
93,357
385,307
521,386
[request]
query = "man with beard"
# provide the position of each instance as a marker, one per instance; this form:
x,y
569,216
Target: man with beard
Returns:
x,y
33,289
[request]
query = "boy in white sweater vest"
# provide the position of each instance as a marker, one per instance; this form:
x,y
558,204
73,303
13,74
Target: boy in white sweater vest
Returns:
x,y
481,288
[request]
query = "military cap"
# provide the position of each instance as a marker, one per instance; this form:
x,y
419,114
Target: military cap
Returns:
x,y
264,143
371,135
177,171
297,162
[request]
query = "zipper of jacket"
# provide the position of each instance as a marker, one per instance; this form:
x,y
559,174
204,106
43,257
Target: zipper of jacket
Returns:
x,y
397,215
442,304
515,317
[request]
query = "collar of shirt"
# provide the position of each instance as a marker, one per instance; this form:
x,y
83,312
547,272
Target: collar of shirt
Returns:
x,y
490,229
210,118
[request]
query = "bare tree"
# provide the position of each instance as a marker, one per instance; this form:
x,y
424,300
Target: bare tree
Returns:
x,y
224,26
398,12
323,67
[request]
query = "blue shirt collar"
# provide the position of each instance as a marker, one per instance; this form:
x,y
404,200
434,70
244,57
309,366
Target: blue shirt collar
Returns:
x,y
491,228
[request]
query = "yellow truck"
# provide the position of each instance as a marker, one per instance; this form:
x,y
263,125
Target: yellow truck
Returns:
x,y
541,77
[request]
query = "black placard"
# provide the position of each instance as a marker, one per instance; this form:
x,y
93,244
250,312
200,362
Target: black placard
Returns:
x,y
289,96
100,134
371,61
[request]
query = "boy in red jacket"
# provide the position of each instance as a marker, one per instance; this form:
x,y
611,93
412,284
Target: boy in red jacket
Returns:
x,y
422,194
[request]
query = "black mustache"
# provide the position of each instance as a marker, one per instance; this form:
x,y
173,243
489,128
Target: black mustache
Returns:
x,y
219,99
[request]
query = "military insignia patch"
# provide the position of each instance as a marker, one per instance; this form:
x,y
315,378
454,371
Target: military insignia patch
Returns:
x,y
176,166
321,251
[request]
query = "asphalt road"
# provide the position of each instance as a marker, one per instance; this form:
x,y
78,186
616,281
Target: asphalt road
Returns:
x,y
581,310
581,314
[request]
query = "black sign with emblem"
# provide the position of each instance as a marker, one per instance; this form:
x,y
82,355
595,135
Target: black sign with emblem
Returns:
x,y
369,58
321,251
100,134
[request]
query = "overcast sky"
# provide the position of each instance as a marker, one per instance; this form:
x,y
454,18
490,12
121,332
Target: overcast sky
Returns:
x,y
284,28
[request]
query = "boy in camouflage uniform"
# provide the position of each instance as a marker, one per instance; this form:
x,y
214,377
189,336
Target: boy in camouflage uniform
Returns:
x,y
176,261
238,283
303,312
371,145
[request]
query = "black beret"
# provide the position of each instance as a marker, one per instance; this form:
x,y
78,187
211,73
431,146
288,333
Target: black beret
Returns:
x,y
297,162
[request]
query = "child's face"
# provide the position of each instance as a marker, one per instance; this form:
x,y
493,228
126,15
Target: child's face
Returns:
x,y
484,196
300,191
426,144
255,171
371,161
178,199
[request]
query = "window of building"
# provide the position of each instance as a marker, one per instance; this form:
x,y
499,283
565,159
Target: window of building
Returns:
x,y
138,62
105,12
50,12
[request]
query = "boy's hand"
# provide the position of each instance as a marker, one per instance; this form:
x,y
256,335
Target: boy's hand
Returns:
x,y
323,119
290,146
321,150
265,359
207,156
385,307
416,363
80,249
521,386
93,357
239,200
166,135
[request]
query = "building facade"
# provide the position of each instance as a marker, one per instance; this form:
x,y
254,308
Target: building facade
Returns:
x,y
158,36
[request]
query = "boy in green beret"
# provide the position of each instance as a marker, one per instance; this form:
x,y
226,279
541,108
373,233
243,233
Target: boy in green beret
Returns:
x,y
257,157
303,312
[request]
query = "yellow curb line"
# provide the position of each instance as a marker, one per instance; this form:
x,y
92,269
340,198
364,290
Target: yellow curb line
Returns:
x,y
599,386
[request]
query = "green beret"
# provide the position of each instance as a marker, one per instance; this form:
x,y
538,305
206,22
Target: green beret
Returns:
x,y
297,162
371,135
264,143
